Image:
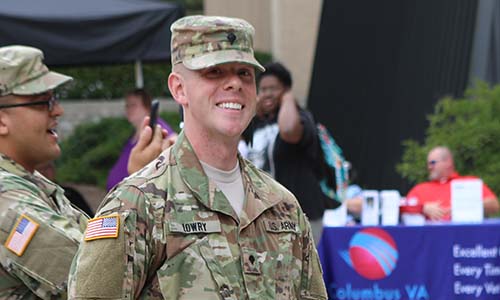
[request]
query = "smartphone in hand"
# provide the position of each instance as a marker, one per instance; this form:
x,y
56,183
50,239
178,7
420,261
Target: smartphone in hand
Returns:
x,y
153,116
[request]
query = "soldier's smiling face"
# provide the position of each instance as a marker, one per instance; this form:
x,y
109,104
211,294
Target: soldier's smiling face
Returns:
x,y
219,100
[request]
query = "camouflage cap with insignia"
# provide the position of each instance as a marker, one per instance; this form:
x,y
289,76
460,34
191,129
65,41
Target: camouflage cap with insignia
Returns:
x,y
203,41
22,72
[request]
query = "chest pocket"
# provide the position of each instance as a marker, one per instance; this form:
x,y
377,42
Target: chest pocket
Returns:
x,y
192,270
47,257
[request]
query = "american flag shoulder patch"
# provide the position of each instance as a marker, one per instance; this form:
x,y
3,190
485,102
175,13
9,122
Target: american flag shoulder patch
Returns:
x,y
102,228
21,235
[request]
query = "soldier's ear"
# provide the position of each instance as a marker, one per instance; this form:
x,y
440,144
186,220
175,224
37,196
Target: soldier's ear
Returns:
x,y
177,87
5,118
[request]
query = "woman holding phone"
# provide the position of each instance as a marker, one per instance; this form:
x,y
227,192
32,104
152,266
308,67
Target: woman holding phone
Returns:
x,y
137,106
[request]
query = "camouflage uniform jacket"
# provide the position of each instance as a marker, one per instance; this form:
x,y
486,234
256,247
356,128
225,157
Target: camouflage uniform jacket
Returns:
x,y
42,269
179,238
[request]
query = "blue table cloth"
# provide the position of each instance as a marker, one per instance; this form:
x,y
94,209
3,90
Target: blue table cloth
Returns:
x,y
439,261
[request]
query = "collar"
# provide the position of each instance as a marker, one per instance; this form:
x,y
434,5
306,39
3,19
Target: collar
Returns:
x,y
257,190
10,166
453,175
261,121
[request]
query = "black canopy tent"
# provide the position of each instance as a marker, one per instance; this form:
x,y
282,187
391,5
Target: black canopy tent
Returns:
x,y
72,32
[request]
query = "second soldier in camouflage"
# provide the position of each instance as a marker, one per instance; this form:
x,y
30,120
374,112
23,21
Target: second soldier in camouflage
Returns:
x,y
39,229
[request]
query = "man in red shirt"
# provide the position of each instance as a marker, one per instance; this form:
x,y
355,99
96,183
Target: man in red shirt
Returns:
x,y
434,195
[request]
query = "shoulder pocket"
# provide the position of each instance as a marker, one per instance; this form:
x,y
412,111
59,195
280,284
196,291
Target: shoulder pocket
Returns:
x,y
47,256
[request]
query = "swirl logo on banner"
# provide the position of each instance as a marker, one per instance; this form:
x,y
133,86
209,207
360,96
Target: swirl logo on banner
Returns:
x,y
372,253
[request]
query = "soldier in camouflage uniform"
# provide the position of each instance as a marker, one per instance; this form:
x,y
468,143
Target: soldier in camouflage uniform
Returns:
x,y
39,229
184,227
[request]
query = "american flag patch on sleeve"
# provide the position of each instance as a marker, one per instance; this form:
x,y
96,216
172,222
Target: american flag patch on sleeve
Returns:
x,y
102,228
21,235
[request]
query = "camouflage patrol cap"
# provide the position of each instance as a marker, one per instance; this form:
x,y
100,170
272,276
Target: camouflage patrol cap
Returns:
x,y
22,72
203,41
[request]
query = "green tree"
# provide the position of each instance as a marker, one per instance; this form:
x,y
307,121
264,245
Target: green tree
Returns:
x,y
470,127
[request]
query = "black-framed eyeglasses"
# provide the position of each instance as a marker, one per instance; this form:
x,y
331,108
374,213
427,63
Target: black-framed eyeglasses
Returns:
x,y
51,103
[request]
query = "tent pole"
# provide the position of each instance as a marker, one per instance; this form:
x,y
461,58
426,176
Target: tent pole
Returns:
x,y
139,78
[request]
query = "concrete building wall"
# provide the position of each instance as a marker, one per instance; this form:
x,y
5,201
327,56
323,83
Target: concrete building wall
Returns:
x,y
286,28
257,12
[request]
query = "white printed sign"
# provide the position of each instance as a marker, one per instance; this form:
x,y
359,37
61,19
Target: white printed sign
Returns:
x,y
467,200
